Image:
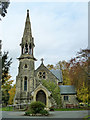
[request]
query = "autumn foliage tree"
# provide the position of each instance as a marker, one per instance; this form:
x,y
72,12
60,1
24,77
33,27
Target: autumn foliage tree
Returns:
x,y
75,72
5,90
79,75
12,94
63,66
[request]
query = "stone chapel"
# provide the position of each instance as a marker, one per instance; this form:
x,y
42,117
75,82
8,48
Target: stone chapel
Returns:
x,y
28,80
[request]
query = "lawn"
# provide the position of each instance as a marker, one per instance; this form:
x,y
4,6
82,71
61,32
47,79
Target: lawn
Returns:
x,y
60,109
69,109
87,117
6,109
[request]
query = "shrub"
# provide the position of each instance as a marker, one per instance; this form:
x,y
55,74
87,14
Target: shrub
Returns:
x,y
51,108
36,107
44,112
28,112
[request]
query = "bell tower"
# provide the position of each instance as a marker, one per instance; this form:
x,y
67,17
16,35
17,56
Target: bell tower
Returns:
x,y
25,78
27,44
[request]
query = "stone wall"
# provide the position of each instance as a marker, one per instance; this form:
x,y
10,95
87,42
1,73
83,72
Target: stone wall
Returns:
x,y
49,75
71,100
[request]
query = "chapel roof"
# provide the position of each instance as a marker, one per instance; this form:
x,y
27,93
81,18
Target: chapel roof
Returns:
x,y
67,89
57,73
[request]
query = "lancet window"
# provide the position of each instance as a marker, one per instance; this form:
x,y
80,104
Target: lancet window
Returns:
x,y
26,48
25,83
25,66
30,49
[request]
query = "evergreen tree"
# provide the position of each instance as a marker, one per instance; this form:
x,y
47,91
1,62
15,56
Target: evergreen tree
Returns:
x,y
5,66
6,82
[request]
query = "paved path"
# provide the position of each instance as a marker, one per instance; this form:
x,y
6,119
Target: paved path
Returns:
x,y
55,114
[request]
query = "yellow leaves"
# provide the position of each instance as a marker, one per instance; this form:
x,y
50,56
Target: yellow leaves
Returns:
x,y
12,94
83,93
50,67
7,80
7,84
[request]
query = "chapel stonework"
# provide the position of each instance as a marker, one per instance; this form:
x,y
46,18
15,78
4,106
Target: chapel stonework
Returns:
x,y
28,81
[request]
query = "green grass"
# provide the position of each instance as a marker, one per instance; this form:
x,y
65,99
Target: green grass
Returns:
x,y
59,109
69,109
6,109
87,117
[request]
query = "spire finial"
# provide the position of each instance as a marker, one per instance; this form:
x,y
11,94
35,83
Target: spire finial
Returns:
x,y
42,60
27,12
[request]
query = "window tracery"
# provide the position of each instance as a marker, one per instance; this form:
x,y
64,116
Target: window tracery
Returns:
x,y
42,75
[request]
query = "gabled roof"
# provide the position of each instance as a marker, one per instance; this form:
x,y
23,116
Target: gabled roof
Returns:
x,y
67,89
58,74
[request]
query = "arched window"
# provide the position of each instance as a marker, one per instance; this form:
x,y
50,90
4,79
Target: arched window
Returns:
x,y
25,66
21,84
30,50
25,83
26,48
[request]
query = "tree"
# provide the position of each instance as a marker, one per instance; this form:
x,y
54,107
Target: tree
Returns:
x,y
63,66
6,63
5,90
6,82
50,67
77,72
54,89
3,7
12,94
83,93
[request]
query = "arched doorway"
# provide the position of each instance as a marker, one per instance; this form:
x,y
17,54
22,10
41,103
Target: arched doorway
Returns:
x,y
41,96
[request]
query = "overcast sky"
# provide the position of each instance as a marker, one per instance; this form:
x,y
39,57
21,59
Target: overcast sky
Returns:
x,y
59,29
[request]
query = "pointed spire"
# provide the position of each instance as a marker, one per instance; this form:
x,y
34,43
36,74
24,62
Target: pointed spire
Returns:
x,y
27,44
27,13
27,24
27,35
27,18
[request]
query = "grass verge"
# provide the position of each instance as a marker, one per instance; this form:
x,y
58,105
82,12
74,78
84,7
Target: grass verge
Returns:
x,y
6,109
69,109
86,117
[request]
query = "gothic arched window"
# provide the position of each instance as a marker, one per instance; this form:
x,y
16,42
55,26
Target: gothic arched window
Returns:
x,y
30,50
25,66
26,48
25,83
